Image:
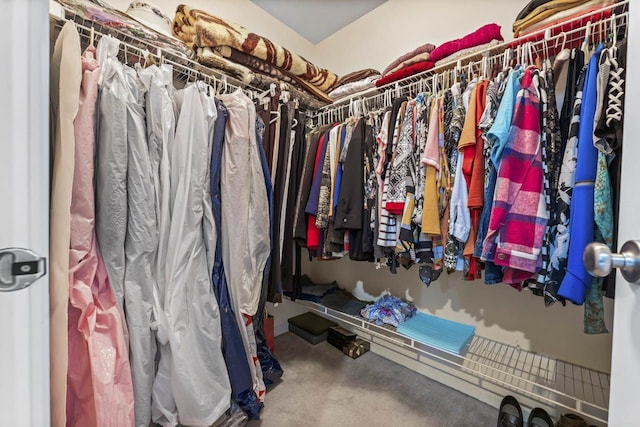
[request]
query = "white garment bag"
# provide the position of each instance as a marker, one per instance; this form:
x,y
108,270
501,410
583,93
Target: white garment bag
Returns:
x,y
160,116
140,251
111,164
199,377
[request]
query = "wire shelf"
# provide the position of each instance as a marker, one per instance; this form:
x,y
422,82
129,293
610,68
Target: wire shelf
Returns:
x,y
593,27
549,381
137,49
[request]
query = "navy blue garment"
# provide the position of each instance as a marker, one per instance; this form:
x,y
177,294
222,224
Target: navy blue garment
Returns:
x,y
271,369
233,350
577,281
314,194
492,272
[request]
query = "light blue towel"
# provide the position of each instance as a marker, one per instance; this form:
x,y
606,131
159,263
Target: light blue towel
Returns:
x,y
437,332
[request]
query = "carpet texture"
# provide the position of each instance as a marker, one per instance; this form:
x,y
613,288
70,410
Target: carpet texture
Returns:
x,y
321,387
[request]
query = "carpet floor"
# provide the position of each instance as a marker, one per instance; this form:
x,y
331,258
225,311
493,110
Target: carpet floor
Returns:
x,y
321,387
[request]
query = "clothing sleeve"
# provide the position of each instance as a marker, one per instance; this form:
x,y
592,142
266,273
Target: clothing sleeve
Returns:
x,y
348,213
517,216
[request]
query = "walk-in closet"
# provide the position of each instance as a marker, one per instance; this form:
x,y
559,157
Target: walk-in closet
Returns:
x,y
319,213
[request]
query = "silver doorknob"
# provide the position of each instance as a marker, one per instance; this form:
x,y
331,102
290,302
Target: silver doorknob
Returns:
x,y
599,261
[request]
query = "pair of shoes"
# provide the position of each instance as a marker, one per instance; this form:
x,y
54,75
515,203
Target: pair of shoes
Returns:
x,y
510,415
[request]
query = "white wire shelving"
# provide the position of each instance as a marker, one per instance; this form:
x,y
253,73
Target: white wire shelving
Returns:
x,y
554,383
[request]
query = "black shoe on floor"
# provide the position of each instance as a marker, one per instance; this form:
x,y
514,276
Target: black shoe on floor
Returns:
x,y
510,414
539,418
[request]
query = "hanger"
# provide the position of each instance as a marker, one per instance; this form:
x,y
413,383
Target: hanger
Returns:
x,y
277,116
92,36
506,59
614,29
587,34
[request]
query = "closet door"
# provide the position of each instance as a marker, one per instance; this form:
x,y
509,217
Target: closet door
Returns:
x,y
24,211
625,360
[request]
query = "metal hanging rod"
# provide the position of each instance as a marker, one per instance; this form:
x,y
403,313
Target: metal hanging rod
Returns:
x,y
545,43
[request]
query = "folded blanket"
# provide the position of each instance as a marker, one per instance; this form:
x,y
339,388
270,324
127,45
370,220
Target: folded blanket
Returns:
x,y
467,52
200,29
211,59
544,11
425,48
356,76
563,16
257,64
353,87
418,58
530,7
389,310
405,72
579,21
480,36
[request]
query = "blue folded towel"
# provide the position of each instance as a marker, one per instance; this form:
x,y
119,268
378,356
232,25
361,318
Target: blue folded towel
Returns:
x,y
437,332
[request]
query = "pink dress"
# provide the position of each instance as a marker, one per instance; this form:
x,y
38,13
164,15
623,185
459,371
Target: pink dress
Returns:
x,y
100,391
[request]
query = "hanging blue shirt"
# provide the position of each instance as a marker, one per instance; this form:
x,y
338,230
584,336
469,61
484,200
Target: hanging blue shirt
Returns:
x,y
499,132
577,281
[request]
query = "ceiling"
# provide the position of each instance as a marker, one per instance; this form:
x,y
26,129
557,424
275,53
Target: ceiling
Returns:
x,y
316,20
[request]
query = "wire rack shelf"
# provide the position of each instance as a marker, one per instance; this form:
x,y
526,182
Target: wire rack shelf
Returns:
x,y
544,379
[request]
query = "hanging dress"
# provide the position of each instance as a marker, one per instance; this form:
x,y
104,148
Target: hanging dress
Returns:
x,y
199,377
100,392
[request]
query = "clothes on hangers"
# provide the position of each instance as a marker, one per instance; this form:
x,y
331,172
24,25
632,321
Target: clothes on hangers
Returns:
x,y
65,83
162,207
489,182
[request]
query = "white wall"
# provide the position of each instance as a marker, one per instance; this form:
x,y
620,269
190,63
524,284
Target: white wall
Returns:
x,y
498,312
398,26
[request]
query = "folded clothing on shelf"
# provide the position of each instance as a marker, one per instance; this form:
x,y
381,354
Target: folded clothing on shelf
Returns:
x,y
356,76
421,53
420,57
405,72
541,11
389,310
314,292
201,29
482,35
437,332
271,70
344,302
565,15
467,52
354,87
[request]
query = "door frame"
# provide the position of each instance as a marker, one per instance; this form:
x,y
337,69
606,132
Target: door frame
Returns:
x,y
24,214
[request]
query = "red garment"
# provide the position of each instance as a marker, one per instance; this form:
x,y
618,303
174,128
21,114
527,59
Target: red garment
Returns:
x,y
407,71
480,36
100,389
518,218
473,168
425,48
476,184
313,232
557,29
